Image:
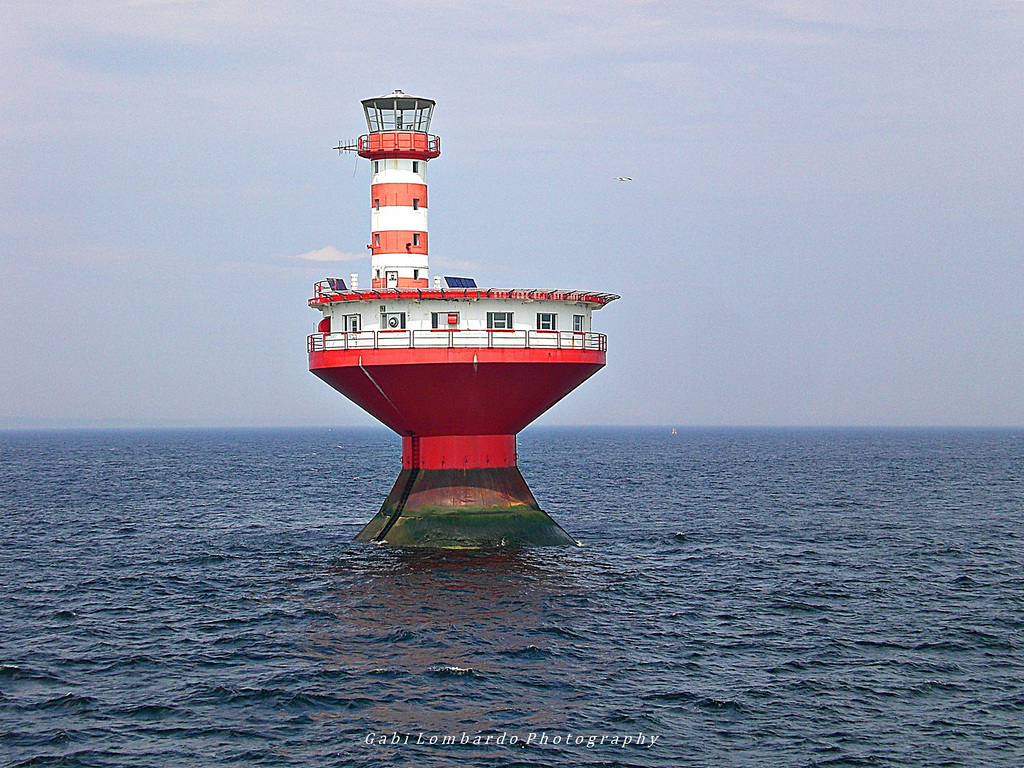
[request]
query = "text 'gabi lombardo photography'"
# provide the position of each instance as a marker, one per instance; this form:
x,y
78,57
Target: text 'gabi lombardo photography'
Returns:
x,y
565,739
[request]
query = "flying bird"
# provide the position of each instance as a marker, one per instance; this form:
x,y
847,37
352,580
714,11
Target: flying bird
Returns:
x,y
623,178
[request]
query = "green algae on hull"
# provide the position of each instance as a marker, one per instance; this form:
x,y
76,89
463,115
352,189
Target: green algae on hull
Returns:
x,y
473,529
476,508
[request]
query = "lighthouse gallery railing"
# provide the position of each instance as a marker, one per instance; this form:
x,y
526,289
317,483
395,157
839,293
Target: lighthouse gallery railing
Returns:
x,y
409,339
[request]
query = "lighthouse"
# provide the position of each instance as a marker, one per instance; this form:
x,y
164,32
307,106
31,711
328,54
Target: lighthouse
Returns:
x,y
454,368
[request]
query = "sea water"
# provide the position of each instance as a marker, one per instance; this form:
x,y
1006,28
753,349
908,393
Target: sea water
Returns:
x,y
741,598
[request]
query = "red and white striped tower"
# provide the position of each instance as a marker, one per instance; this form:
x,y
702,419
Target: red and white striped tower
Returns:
x,y
398,148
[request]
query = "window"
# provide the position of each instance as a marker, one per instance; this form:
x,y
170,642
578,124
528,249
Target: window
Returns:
x,y
415,166
546,321
444,320
376,166
392,321
499,321
416,238
577,323
415,274
415,203
352,323
376,240
376,203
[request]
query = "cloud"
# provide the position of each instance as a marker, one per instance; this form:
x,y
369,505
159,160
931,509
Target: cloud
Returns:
x,y
445,263
330,253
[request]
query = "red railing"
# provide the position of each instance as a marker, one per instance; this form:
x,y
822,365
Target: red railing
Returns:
x,y
400,141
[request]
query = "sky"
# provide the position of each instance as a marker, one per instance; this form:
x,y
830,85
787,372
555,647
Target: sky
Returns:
x,y
824,226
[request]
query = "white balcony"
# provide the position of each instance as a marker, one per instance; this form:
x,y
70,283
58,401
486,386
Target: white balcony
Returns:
x,y
431,339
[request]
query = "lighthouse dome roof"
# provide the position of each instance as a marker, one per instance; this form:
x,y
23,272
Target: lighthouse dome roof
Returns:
x,y
399,95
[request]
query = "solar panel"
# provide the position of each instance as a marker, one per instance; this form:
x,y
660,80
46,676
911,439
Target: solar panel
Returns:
x,y
336,283
460,282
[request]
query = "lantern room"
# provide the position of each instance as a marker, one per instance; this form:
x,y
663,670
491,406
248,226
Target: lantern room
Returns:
x,y
398,111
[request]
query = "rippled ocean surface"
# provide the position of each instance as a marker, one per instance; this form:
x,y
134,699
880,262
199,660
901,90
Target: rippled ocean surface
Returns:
x,y
742,598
